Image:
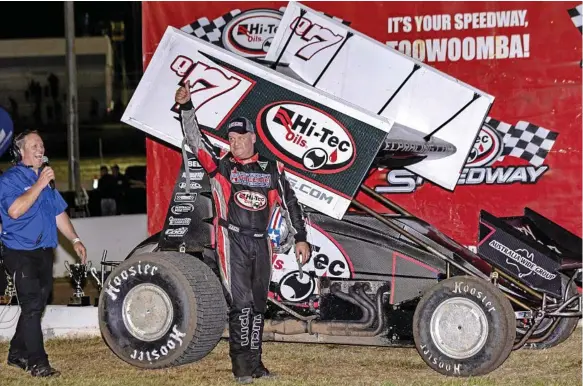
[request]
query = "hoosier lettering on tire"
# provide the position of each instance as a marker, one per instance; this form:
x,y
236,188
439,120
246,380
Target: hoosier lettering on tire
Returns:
x,y
162,309
464,326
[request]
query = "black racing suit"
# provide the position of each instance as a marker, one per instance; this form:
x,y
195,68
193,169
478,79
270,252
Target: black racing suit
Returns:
x,y
244,193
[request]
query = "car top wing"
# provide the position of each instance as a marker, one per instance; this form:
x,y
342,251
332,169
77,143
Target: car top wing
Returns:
x,y
326,144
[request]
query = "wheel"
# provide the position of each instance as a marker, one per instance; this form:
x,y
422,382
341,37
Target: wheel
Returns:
x,y
464,326
162,309
561,333
147,246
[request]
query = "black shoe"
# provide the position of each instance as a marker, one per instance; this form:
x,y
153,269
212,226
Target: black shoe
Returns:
x,y
44,371
244,380
262,372
21,363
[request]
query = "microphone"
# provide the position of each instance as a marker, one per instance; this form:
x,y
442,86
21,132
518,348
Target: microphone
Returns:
x,y
46,163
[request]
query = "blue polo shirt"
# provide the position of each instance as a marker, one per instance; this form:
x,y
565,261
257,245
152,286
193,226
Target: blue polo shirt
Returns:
x,y
37,227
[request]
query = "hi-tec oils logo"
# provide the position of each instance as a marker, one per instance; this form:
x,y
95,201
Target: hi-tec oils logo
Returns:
x,y
250,33
486,149
306,137
253,201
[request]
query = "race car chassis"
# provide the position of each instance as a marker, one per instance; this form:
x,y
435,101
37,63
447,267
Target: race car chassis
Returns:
x,y
541,305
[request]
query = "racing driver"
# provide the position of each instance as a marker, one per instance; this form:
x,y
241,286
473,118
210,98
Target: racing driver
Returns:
x,y
246,188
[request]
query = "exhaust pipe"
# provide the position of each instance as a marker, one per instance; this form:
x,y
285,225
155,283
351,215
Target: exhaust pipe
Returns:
x,y
333,328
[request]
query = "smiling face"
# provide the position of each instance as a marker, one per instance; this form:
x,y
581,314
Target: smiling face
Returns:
x,y
242,145
32,151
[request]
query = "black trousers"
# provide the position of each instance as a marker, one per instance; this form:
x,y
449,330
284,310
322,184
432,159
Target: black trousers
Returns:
x,y
32,272
249,261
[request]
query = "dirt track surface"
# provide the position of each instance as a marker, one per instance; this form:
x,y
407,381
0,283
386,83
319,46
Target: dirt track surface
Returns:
x,y
90,362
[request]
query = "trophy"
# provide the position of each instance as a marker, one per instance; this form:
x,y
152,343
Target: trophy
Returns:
x,y
78,273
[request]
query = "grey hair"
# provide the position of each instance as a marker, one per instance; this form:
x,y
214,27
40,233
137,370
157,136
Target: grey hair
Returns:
x,y
20,139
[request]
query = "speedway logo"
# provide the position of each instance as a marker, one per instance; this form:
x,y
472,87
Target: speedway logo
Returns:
x,y
522,260
250,33
253,201
306,137
179,221
182,208
494,141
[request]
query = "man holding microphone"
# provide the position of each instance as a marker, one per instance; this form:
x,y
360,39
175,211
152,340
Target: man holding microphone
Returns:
x,y
31,211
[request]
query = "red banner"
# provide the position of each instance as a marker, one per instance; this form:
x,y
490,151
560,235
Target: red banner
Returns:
x,y
526,54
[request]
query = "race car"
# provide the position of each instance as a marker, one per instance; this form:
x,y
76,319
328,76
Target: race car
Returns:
x,y
373,278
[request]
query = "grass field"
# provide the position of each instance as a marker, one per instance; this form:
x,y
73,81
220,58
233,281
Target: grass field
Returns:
x,y
89,362
89,169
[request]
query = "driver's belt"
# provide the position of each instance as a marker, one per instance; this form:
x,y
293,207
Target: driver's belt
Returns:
x,y
244,231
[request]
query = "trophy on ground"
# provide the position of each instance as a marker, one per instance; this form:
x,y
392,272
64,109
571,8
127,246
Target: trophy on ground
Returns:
x,y
78,273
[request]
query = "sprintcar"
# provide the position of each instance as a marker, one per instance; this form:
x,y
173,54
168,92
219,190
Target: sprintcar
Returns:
x,y
374,278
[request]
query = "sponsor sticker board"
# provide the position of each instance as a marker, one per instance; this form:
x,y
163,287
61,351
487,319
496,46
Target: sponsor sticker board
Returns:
x,y
326,144
350,65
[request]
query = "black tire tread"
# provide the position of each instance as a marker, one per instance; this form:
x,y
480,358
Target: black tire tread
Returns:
x,y
211,306
508,312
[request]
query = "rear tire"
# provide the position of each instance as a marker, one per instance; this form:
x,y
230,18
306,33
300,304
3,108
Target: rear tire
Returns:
x,y
162,309
561,333
464,326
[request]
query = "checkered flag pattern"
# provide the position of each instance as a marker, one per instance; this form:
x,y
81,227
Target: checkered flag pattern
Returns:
x,y
529,142
210,31
577,16
525,140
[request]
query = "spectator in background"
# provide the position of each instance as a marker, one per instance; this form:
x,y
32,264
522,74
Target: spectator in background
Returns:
x,y
106,187
120,188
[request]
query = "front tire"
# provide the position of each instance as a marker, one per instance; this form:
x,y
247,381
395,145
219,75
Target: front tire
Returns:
x,y
162,309
464,326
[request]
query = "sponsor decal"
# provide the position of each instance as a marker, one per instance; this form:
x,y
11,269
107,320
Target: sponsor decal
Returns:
x,y
255,180
495,141
174,340
206,82
311,190
461,287
194,176
522,259
185,197
193,164
262,164
253,201
182,208
294,288
306,137
327,260
179,221
250,33
112,287
527,231
178,232
193,185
